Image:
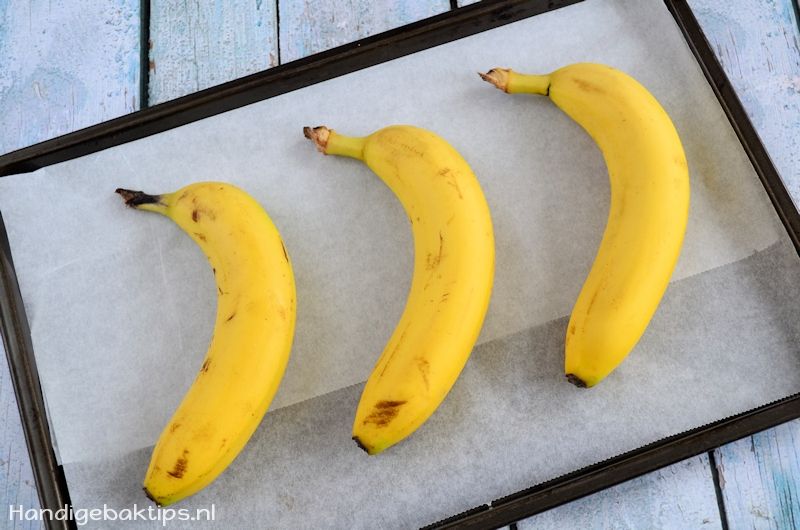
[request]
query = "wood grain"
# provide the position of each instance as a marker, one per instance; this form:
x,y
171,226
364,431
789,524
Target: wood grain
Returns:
x,y
679,496
17,487
760,479
196,44
65,65
758,44
311,26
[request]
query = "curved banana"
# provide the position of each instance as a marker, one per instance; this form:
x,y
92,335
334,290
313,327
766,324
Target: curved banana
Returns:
x,y
647,216
251,342
451,284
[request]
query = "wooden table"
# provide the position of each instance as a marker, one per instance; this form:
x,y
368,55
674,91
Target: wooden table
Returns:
x,y
67,64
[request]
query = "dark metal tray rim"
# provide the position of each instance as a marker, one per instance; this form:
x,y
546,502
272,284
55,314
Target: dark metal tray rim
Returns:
x,y
386,46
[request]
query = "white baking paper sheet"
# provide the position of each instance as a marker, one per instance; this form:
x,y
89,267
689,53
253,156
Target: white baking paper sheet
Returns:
x,y
511,421
121,303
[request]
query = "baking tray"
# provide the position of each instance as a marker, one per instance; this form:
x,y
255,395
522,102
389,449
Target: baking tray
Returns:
x,y
406,40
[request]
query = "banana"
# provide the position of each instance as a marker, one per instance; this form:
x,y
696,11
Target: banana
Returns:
x,y
251,342
451,284
647,216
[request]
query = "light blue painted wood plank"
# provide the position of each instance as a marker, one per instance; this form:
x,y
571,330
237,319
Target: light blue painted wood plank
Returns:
x,y
64,65
678,496
758,44
760,479
462,3
196,44
311,26
17,487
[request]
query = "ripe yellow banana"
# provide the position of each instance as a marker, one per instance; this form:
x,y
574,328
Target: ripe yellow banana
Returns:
x,y
451,284
647,216
251,342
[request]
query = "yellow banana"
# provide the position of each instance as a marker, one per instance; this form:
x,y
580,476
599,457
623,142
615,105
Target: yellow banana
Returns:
x,y
251,342
647,216
451,284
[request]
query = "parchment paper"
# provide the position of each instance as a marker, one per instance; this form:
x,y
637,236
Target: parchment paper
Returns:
x,y
510,422
122,303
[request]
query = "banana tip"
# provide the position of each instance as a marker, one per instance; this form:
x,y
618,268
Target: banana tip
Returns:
x,y
150,496
577,381
361,445
318,135
497,77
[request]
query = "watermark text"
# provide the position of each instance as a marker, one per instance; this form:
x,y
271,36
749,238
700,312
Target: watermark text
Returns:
x,y
82,516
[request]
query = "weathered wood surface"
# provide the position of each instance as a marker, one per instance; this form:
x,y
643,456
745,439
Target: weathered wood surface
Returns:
x,y
758,43
679,496
65,65
760,479
310,26
198,44
17,487
201,44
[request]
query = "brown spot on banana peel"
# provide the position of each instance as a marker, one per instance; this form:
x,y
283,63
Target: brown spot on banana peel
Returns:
x,y
206,365
424,368
180,466
451,180
586,86
174,427
389,404
200,211
384,412
394,350
434,261
200,236
231,317
410,149
592,301
285,254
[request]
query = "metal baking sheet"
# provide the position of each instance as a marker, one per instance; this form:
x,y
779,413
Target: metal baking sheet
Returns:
x,y
774,259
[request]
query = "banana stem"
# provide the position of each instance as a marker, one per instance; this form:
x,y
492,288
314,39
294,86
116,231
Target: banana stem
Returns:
x,y
330,142
513,82
142,201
